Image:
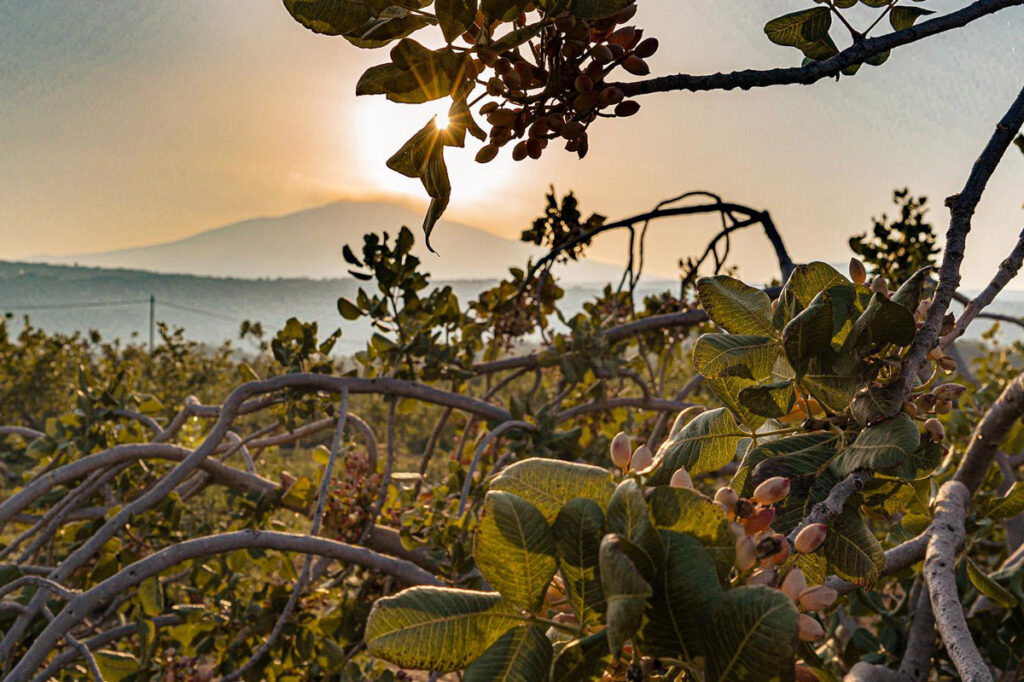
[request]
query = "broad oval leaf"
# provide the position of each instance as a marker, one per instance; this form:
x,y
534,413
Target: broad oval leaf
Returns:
x,y
115,665
520,655
799,28
734,306
808,336
902,16
514,549
625,592
685,511
881,446
815,448
802,286
740,355
437,628
549,484
630,518
989,587
454,17
752,634
684,589
706,444
581,659
774,399
598,9
578,530
852,550
1009,505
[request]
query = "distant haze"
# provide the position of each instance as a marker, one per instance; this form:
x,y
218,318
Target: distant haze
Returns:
x,y
308,244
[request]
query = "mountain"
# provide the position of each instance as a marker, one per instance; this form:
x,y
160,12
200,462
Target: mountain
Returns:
x,y
307,244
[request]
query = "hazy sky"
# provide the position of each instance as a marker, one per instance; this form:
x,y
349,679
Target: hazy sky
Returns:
x,y
125,123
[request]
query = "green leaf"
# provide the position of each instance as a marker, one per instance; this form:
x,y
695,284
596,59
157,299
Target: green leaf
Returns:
x,y
549,484
751,636
872,404
852,550
520,655
625,592
882,446
750,357
437,628
686,511
1009,505
773,399
503,10
833,389
578,530
910,292
415,74
115,665
902,16
515,550
684,590
800,28
989,587
581,659
151,596
808,336
805,454
706,444
882,322
630,518
348,309
728,390
806,282
598,9
734,306
454,17
922,462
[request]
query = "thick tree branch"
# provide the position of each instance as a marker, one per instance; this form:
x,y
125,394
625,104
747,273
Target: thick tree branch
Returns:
x,y
917,658
832,506
939,565
154,564
962,210
1008,269
857,53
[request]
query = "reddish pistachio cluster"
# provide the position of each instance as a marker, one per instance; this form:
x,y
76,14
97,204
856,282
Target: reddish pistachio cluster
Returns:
x,y
352,498
559,90
938,401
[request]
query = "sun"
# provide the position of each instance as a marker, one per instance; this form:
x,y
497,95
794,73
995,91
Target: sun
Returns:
x,y
380,127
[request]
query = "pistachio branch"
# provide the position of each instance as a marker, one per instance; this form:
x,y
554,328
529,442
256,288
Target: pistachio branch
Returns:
x,y
947,536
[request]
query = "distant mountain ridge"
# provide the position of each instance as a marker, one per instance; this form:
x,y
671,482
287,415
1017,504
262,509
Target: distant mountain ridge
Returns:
x,y
307,244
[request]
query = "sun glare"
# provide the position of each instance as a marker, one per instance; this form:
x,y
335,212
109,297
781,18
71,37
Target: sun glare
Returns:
x,y
381,127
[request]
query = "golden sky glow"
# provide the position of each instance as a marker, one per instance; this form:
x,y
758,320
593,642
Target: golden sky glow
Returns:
x,y
123,124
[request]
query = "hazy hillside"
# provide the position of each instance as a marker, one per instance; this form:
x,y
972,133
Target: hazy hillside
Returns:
x,y
209,308
308,244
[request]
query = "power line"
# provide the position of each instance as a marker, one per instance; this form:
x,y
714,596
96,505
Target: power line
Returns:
x,y
82,304
193,309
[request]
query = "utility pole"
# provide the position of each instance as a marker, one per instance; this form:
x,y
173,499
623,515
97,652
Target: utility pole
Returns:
x,y
152,320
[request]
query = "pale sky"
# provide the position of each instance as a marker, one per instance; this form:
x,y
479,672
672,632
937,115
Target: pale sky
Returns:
x,y
125,123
